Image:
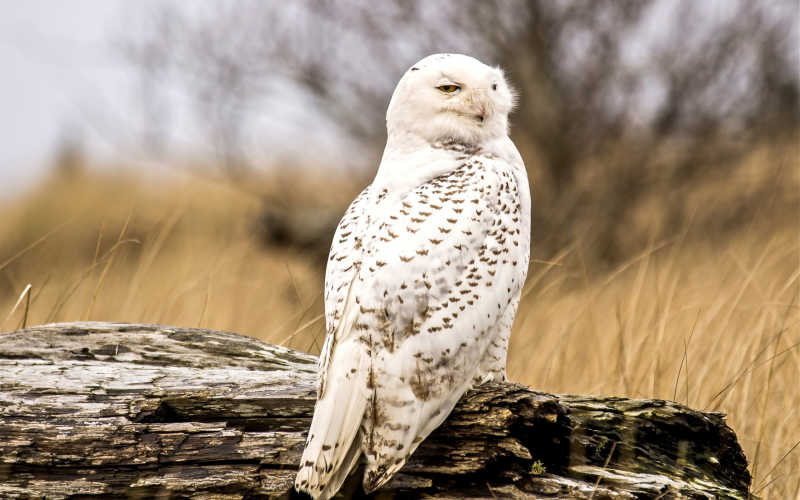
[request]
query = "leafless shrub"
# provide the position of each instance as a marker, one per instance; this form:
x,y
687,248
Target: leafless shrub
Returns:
x,y
626,81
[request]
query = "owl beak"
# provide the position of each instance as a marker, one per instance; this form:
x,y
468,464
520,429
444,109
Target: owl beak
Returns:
x,y
481,114
480,106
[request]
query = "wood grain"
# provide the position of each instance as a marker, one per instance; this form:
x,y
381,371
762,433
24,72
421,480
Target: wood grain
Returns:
x,y
116,410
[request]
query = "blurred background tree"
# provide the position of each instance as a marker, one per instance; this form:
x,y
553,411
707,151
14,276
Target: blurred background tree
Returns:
x,y
659,93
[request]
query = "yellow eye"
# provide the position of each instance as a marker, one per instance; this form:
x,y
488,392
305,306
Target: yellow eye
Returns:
x,y
448,89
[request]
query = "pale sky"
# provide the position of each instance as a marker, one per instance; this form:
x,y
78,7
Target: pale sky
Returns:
x,y
57,70
62,77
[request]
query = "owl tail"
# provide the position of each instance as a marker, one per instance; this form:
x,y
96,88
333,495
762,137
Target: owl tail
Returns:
x,y
334,446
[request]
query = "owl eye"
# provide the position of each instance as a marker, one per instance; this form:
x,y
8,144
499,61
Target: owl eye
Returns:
x,y
448,89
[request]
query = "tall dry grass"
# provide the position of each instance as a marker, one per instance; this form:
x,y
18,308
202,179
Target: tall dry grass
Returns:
x,y
713,323
716,329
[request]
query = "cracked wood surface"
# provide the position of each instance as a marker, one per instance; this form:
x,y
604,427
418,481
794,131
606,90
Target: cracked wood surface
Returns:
x,y
114,410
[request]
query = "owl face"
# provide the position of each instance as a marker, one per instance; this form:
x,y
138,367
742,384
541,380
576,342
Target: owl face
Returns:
x,y
451,96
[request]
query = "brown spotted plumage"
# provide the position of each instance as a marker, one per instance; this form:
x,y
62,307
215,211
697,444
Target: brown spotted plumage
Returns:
x,y
424,275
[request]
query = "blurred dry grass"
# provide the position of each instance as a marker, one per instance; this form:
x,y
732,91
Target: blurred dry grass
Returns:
x,y
710,321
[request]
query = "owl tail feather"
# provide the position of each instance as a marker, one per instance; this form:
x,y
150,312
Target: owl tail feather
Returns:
x,y
333,447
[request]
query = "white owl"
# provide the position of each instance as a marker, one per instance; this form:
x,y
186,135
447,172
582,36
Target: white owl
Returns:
x,y
424,275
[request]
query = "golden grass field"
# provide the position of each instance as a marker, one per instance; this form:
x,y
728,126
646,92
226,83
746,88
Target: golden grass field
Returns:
x,y
710,322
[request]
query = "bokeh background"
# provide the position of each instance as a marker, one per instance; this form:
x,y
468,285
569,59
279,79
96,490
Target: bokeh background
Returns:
x,y
186,164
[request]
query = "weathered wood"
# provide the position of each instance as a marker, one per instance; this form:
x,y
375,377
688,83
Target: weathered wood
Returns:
x,y
102,410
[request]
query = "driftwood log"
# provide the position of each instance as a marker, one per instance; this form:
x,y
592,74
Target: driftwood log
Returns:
x,y
108,410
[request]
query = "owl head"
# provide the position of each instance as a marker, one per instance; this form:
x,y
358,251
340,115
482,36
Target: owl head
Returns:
x,y
451,97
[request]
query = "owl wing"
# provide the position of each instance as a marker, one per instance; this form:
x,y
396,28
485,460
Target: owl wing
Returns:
x,y
332,449
431,298
415,286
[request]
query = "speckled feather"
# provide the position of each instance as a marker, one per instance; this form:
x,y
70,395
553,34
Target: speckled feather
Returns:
x,y
422,285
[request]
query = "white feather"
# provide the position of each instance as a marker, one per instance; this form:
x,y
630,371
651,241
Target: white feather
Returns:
x,y
424,275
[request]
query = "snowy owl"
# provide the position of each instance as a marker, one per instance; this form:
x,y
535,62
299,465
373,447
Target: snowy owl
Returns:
x,y
424,275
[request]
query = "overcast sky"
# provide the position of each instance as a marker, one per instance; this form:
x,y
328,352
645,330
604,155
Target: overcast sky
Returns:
x,y
62,78
57,67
